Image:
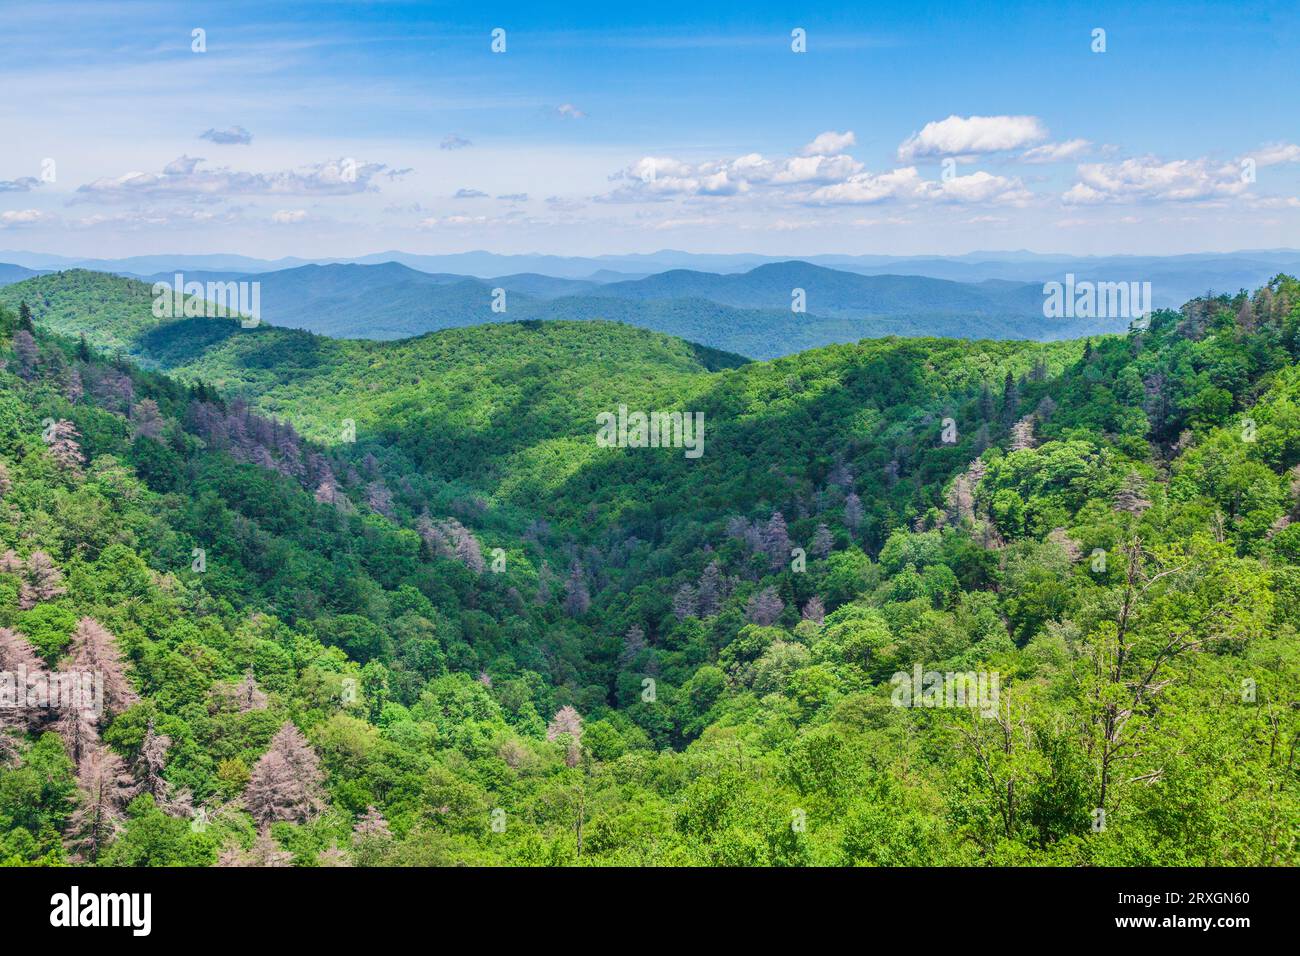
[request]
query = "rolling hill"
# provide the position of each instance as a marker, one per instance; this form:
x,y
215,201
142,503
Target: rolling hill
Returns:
x,y
10,273
475,607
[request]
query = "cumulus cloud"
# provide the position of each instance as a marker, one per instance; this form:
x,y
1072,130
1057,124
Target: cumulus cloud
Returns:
x,y
287,217
907,184
236,135
867,188
182,177
971,135
469,194
13,218
814,177
24,184
514,197
980,187
1066,151
657,178
1149,179
569,111
454,142
1275,154
829,143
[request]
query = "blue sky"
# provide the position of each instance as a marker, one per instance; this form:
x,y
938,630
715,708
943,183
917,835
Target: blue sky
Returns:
x,y
338,129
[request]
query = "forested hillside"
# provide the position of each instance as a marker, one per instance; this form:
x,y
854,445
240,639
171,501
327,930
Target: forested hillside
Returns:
x,y
473,636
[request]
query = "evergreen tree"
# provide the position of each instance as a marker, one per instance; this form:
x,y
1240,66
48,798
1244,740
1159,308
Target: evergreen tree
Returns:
x,y
709,593
764,607
822,541
104,788
286,782
94,651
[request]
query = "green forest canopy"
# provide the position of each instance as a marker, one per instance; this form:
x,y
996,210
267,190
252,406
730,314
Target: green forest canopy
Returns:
x,y
473,636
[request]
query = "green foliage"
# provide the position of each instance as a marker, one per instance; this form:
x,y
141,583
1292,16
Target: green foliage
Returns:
x,y
1130,574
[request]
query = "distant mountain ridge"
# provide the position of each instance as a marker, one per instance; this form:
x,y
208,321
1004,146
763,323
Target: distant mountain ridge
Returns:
x,y
748,314
833,292
1175,279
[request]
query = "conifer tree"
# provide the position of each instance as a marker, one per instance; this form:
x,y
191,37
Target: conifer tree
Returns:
x,y
65,447
822,541
42,582
764,607
709,593
104,788
285,785
577,599
94,651
776,540
685,602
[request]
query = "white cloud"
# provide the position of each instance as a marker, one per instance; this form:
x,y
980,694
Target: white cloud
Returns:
x,y
656,178
814,169
236,135
964,135
1056,152
1275,154
22,184
683,222
866,188
1149,179
286,217
569,111
982,187
906,184
22,217
813,178
830,143
183,178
